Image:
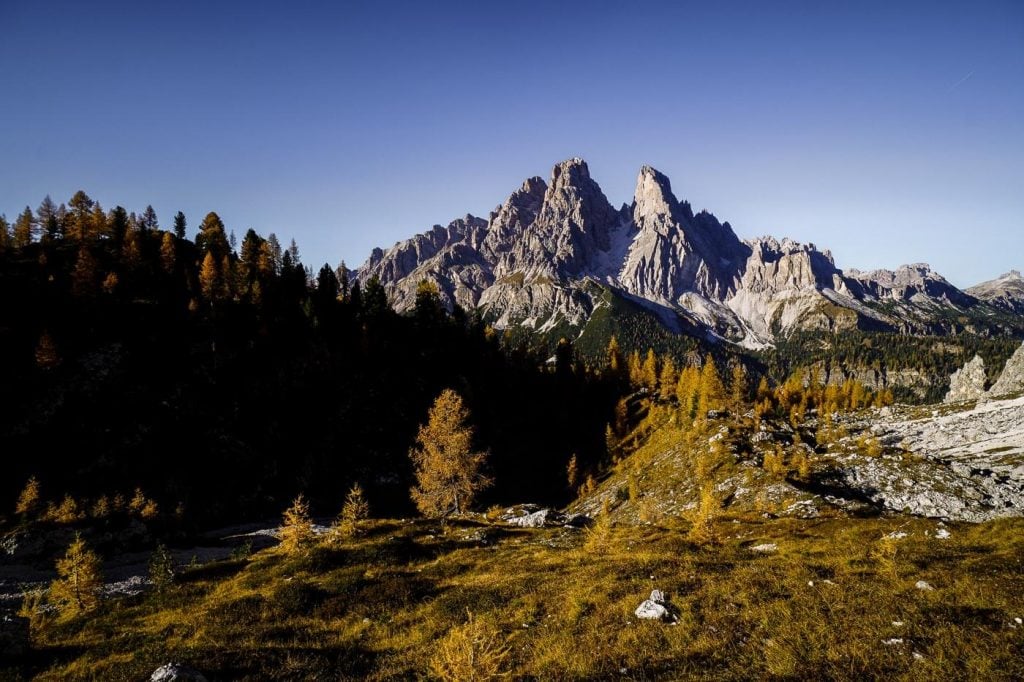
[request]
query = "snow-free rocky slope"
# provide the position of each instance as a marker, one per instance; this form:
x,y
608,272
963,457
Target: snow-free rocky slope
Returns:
x,y
545,257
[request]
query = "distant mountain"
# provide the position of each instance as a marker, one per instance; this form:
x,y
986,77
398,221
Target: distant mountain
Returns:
x,y
1005,292
552,253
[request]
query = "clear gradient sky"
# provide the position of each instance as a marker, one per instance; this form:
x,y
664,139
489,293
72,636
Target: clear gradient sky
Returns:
x,y
890,132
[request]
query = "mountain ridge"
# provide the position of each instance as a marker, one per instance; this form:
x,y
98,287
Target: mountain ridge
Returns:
x,y
536,258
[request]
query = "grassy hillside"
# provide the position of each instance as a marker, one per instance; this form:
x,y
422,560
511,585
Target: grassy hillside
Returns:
x,y
836,599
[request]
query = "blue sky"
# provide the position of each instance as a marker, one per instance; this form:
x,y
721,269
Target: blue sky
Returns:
x,y
889,132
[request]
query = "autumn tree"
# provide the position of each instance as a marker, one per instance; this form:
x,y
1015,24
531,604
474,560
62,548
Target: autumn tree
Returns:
x,y
76,589
668,378
5,233
81,216
712,392
212,238
297,528
448,470
738,386
167,253
649,371
353,512
616,363
209,277
24,228
83,278
28,500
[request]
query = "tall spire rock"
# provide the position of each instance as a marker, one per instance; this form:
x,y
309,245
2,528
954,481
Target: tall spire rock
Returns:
x,y
676,256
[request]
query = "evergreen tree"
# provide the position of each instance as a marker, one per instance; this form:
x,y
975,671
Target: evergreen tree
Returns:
x,y
161,567
148,221
274,247
117,224
375,300
5,233
179,225
448,470
327,285
76,589
46,218
81,216
343,283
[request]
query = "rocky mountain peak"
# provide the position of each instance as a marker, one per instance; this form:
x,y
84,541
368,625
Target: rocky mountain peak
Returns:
x,y
653,197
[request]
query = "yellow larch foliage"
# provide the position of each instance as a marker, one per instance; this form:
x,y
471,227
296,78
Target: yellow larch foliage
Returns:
x,y
76,589
668,378
448,470
28,500
296,533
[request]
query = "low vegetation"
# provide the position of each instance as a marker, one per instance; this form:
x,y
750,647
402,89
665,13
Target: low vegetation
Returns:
x,y
793,599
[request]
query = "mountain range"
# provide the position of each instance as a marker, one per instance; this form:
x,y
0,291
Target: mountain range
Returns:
x,y
554,253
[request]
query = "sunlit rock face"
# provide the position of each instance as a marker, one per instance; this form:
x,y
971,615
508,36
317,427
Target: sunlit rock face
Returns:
x,y
548,252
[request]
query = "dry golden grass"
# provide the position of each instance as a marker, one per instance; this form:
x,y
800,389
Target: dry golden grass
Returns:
x,y
392,604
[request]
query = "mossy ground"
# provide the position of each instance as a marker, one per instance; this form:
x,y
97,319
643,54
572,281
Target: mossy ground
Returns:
x,y
822,606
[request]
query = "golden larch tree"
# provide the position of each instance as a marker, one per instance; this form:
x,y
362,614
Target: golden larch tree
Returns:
x,y
209,277
353,512
448,470
649,371
76,589
296,533
668,378
168,254
28,500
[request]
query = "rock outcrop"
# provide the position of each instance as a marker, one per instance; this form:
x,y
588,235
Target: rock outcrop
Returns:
x,y
544,258
968,382
1011,380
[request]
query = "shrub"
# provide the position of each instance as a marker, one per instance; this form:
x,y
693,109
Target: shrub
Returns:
x,y
472,652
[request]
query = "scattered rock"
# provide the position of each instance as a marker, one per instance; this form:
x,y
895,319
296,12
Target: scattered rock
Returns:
x,y
656,607
766,547
942,534
895,641
176,672
922,585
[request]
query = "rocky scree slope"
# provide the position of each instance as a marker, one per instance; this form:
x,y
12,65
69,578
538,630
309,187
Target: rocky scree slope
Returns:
x,y
546,255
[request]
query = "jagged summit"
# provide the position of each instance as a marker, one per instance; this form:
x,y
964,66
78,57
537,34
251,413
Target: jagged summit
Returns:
x,y
546,255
